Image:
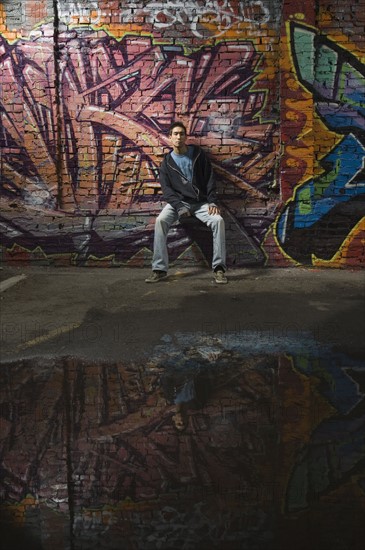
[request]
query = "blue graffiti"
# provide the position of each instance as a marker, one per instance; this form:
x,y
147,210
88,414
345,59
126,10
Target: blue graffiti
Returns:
x,y
342,181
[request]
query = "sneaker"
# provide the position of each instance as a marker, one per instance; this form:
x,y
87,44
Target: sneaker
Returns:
x,y
220,277
156,277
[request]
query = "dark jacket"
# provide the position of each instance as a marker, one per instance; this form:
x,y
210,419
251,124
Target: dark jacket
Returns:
x,y
176,188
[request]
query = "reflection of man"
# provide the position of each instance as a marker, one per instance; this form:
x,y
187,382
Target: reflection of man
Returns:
x,y
188,186
181,394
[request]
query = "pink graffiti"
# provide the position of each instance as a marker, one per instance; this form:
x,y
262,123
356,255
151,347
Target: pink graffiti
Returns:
x,y
91,133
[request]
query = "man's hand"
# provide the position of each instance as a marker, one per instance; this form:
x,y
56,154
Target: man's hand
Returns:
x,y
213,209
184,213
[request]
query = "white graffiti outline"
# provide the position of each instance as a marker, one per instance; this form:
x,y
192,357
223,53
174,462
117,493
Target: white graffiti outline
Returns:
x,y
188,13
81,8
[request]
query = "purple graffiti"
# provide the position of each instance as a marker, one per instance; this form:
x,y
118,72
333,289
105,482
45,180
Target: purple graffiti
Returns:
x,y
83,126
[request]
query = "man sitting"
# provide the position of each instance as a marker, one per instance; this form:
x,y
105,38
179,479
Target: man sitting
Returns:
x,y
188,187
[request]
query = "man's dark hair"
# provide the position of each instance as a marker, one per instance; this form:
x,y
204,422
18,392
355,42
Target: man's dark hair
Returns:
x,y
175,125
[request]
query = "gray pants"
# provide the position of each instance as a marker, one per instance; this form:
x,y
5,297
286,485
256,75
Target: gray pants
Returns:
x,y
168,216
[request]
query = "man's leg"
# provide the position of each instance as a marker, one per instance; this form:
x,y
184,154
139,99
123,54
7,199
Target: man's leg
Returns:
x,y
216,224
166,218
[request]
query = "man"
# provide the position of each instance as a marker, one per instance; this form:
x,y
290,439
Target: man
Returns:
x,y
188,187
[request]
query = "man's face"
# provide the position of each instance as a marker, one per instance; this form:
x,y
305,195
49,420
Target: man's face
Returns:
x,y
178,137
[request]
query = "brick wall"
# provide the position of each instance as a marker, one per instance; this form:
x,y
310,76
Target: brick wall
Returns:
x,y
274,90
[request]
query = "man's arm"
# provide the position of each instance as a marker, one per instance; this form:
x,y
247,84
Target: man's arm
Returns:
x,y
169,194
209,177
211,186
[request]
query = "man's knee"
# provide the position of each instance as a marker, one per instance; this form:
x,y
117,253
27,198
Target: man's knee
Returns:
x,y
163,222
159,219
218,221
217,225
160,223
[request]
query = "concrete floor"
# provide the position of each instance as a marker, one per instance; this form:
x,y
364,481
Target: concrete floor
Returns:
x,y
113,314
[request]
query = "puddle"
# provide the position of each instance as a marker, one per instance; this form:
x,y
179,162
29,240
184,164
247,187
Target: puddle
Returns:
x,y
212,443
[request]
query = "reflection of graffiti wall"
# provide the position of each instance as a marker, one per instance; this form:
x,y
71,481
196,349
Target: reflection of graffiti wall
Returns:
x,y
273,446
88,90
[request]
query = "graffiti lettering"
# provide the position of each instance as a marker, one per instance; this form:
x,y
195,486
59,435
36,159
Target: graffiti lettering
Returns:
x,y
337,81
220,13
81,9
111,109
117,100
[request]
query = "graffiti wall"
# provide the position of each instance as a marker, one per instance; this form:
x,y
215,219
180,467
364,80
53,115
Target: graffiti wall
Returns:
x,y
322,123
273,90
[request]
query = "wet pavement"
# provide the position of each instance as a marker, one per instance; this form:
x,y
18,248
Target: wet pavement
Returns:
x,y
183,415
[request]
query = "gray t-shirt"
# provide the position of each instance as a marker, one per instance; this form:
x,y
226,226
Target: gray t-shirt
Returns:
x,y
185,162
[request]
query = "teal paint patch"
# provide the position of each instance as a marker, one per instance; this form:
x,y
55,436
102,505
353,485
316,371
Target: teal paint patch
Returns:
x,y
304,51
326,67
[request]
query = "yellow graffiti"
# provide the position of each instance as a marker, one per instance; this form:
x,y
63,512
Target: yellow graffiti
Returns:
x,y
333,31
353,247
